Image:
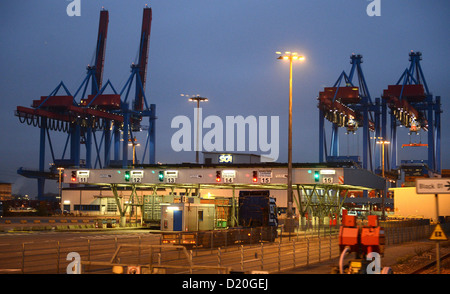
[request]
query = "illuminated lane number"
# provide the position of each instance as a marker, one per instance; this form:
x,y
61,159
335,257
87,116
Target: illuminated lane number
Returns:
x,y
228,180
327,180
170,180
265,180
137,180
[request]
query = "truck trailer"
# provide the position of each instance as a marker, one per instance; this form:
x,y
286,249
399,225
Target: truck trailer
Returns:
x,y
257,218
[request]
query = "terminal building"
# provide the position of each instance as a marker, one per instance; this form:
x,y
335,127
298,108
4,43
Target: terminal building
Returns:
x,y
5,191
320,190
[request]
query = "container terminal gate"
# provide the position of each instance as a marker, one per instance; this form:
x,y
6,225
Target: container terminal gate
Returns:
x,y
318,189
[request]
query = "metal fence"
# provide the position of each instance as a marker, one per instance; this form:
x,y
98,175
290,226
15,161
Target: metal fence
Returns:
x,y
397,232
51,257
270,257
288,251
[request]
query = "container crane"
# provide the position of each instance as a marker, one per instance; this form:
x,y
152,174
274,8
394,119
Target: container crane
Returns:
x,y
413,106
133,117
348,106
96,112
63,113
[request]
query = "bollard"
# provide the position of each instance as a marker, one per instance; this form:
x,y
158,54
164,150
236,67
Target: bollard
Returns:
x,y
89,249
242,257
212,240
219,259
319,248
262,256
293,252
139,250
23,258
58,252
307,251
190,261
330,244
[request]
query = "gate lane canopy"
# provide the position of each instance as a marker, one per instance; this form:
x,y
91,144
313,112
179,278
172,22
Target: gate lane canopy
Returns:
x,y
254,176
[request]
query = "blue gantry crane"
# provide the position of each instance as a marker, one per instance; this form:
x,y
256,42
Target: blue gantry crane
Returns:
x,y
140,107
348,104
409,103
96,112
413,106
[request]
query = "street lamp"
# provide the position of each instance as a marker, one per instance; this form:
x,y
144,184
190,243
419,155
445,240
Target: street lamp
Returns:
x,y
133,144
383,143
290,56
198,99
60,171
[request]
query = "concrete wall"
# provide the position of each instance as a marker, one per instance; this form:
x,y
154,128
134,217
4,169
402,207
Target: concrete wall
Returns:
x,y
408,203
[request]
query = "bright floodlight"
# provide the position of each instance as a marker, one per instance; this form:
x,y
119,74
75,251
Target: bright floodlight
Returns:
x,y
290,56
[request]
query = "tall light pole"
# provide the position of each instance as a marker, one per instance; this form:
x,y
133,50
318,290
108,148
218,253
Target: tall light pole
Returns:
x,y
290,198
60,171
383,143
198,99
133,144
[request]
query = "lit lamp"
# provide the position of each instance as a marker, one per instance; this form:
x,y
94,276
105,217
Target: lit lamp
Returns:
x,y
288,56
383,142
133,144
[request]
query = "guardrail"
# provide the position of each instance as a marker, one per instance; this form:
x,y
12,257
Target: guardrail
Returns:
x,y
60,224
398,232
134,265
287,252
277,256
51,257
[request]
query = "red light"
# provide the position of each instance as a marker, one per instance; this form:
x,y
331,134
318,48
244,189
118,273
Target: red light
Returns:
x,y
218,176
74,179
255,180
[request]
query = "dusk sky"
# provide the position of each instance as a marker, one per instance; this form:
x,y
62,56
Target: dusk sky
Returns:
x,y
220,49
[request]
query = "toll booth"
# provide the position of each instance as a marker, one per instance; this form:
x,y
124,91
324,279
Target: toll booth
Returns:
x,y
318,190
152,207
187,216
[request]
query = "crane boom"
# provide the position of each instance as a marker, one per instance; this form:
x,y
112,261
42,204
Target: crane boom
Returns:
x,y
143,57
100,51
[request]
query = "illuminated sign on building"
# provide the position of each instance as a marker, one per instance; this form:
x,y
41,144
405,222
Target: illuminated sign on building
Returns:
x,y
225,158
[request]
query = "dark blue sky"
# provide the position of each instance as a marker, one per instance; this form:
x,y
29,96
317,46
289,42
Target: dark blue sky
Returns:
x,y
224,50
